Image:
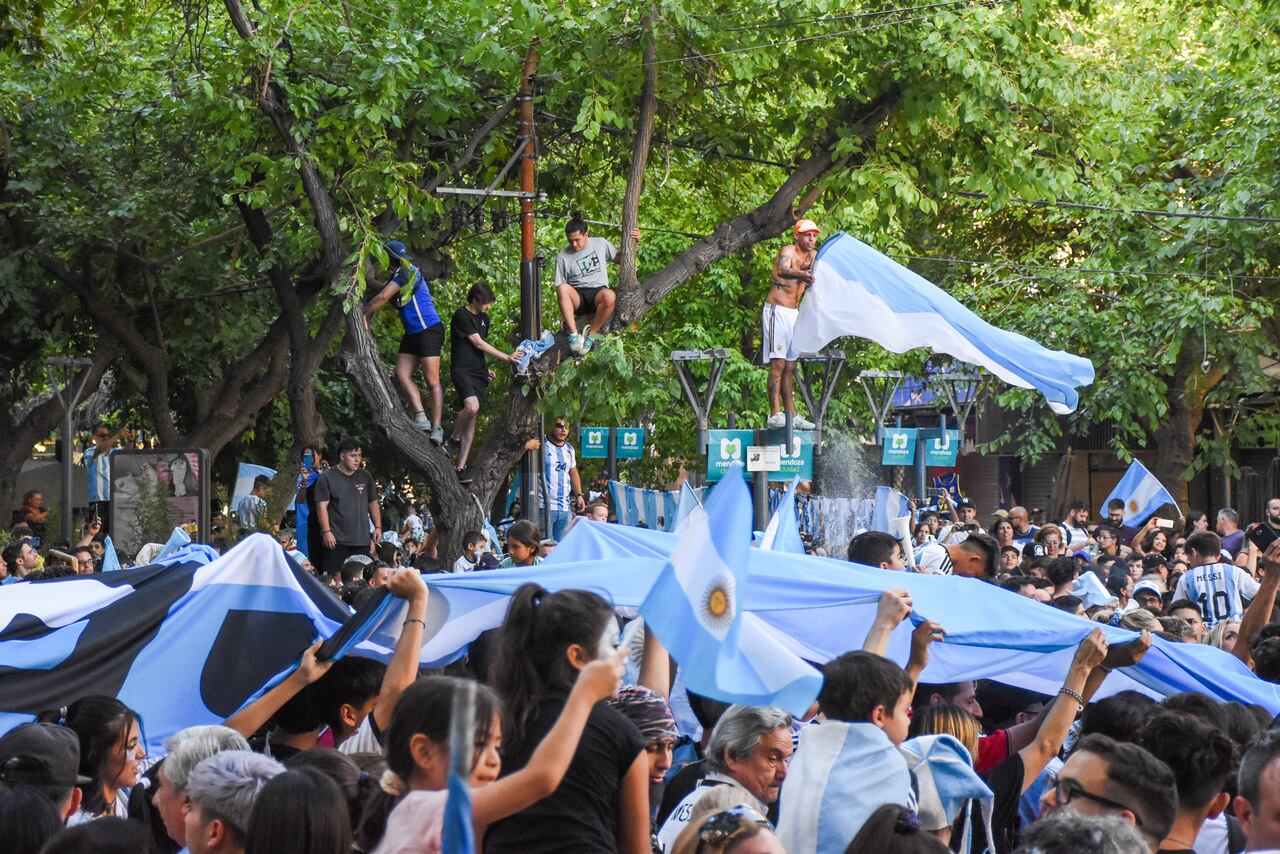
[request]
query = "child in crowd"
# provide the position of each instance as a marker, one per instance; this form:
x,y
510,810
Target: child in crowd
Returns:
x,y
418,759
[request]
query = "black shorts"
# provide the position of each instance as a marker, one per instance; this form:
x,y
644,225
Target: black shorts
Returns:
x,y
470,385
587,299
425,344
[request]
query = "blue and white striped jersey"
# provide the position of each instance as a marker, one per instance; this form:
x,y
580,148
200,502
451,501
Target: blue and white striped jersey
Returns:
x,y
557,462
1217,588
99,466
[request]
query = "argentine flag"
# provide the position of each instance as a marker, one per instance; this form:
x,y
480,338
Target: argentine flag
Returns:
x,y
695,609
860,292
782,533
1142,493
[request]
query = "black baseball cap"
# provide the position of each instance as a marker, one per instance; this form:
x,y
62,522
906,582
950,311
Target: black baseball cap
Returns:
x,y
41,754
965,502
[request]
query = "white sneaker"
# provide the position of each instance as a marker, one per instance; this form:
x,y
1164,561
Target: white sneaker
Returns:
x,y
421,422
576,344
799,423
776,421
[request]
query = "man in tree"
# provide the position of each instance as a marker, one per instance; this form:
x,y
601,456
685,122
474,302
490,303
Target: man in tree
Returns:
x,y
582,282
423,336
792,274
345,504
468,341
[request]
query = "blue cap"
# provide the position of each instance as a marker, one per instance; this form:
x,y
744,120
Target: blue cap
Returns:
x,y
398,250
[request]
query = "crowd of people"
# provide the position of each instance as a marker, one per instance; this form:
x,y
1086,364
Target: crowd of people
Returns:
x,y
584,743
582,733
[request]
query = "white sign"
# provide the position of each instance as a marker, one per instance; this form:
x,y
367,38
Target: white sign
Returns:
x,y
764,457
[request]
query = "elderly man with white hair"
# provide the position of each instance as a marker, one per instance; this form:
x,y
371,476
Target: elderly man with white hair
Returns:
x,y
749,750
183,752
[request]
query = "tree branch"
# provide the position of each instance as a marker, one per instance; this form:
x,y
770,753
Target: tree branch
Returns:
x,y
760,223
639,158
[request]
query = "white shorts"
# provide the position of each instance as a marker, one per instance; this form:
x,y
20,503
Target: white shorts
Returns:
x,y
778,324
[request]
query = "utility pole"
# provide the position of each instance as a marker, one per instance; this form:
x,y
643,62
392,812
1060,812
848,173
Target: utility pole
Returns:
x,y
530,274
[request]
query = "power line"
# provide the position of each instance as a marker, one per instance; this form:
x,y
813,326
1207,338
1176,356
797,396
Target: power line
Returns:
x,y
1083,206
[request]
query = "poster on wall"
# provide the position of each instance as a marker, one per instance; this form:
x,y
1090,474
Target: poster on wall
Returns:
x,y
154,491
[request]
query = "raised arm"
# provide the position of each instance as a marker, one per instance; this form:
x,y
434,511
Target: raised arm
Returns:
x,y
894,607
655,666
1258,614
403,669
1062,712
254,716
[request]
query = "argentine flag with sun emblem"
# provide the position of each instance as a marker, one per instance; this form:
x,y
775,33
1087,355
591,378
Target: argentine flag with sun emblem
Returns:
x,y
1142,493
695,609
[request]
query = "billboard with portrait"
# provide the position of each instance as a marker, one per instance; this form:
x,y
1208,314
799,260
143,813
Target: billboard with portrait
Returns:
x,y
154,491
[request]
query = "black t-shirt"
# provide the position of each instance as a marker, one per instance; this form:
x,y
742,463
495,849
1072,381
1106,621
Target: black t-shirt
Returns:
x,y
1005,782
467,357
348,497
581,815
678,787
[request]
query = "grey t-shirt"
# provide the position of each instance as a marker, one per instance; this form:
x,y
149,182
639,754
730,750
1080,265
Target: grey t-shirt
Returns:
x,y
586,269
348,497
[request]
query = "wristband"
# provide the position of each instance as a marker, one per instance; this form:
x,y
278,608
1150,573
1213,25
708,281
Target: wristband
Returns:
x,y
1075,695
416,620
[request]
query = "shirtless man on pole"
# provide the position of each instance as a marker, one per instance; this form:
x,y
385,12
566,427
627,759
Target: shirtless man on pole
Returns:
x,y
791,276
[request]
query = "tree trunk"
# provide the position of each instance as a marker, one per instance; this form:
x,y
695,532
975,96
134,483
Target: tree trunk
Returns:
x,y
1176,439
454,509
41,420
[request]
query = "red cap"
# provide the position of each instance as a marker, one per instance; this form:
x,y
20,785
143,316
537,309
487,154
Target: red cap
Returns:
x,y
805,226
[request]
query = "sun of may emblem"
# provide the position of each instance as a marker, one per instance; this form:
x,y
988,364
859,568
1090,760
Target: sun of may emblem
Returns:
x,y
717,603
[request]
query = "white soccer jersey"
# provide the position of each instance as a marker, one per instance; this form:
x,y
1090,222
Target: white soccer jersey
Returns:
x,y
1217,588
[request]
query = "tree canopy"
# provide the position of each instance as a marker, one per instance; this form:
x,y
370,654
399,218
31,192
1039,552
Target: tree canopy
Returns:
x,y
198,192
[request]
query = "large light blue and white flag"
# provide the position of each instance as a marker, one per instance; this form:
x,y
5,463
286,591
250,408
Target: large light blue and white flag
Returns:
x,y
1142,493
820,607
860,292
782,534
695,609
169,641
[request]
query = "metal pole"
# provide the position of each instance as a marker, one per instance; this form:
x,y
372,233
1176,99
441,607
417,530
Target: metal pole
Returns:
x,y
530,290
67,450
612,462
760,489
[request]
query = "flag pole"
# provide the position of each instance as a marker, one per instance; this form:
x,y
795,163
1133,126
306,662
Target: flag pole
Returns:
x,y
459,832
